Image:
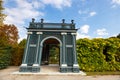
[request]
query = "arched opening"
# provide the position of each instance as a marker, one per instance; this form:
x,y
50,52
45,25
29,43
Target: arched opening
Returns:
x,y
50,51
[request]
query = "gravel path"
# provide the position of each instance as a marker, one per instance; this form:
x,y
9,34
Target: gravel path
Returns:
x,y
7,74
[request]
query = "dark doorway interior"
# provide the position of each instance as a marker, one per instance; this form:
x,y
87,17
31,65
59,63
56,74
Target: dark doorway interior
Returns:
x,y
51,52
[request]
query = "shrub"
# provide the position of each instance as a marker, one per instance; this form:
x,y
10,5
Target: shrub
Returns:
x,y
99,54
5,57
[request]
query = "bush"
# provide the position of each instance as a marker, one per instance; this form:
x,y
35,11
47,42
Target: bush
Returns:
x,y
17,55
99,54
5,57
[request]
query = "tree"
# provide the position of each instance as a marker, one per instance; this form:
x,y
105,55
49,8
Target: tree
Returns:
x,y
22,43
17,53
9,34
8,44
8,41
118,36
2,15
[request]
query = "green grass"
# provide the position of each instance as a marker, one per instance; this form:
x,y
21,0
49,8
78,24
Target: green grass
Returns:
x,y
103,73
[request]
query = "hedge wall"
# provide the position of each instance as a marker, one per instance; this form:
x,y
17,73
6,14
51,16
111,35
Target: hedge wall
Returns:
x,y
99,54
5,57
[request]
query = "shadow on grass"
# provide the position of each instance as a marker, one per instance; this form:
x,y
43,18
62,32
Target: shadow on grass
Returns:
x,y
102,73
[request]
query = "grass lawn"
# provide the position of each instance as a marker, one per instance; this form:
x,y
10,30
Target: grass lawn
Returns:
x,y
103,73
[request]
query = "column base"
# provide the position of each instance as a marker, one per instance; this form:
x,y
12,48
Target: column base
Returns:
x,y
63,68
36,68
33,68
76,68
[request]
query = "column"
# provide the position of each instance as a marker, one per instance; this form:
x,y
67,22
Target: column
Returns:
x,y
64,49
23,67
26,50
60,54
36,66
74,49
36,63
40,54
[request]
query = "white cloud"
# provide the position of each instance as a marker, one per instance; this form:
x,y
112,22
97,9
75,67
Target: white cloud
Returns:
x,y
102,32
83,32
84,29
38,4
19,14
93,13
116,2
86,14
79,35
83,11
58,3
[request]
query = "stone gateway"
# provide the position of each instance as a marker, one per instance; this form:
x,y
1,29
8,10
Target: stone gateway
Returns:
x,y
41,37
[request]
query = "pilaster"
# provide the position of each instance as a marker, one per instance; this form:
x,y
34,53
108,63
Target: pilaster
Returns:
x,y
27,47
75,64
23,67
36,65
63,67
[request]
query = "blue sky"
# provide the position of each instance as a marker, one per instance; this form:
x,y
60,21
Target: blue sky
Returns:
x,y
94,18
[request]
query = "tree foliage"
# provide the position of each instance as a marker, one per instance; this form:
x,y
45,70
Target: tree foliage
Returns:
x,y
118,36
9,33
17,53
2,15
99,54
8,40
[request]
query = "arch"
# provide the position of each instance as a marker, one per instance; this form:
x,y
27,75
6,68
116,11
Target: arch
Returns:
x,y
60,42
49,38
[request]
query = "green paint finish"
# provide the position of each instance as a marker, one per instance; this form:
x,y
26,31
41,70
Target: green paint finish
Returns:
x,y
41,34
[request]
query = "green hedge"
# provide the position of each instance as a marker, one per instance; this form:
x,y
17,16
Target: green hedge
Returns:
x,y
17,55
99,54
5,57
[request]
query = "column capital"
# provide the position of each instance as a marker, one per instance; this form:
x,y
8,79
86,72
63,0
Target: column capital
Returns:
x,y
29,32
39,33
73,33
63,33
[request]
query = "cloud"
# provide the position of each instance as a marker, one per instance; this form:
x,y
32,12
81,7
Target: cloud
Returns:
x,y
93,13
84,29
83,11
59,4
79,35
115,3
19,14
86,14
101,32
83,32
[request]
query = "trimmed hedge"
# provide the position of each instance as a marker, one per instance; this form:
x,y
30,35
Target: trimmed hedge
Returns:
x,y
17,55
5,57
99,54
